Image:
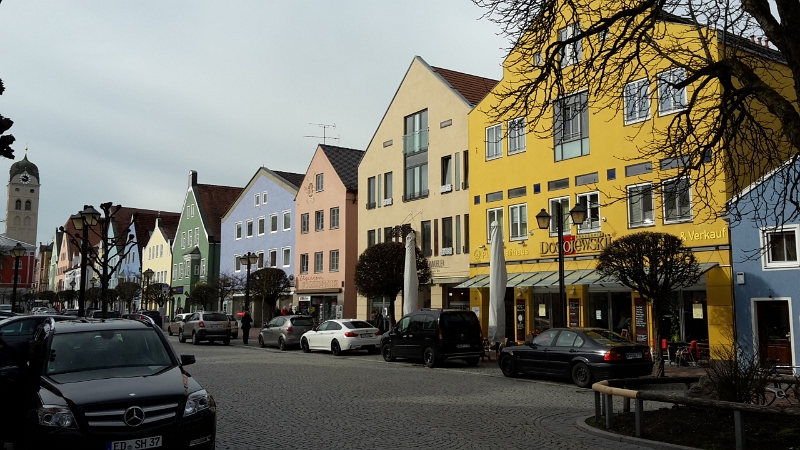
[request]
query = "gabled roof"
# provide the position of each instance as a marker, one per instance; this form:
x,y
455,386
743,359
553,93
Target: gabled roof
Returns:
x,y
214,201
295,179
145,224
345,163
288,181
169,226
472,87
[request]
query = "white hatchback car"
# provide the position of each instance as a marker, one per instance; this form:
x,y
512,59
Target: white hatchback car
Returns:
x,y
341,335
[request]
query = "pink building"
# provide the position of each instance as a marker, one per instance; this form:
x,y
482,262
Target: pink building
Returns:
x,y
327,234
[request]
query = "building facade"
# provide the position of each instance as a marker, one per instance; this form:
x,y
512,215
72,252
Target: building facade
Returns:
x,y
326,234
415,172
157,255
22,208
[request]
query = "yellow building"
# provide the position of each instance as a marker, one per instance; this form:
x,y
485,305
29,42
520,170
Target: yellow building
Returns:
x,y
157,255
416,172
593,159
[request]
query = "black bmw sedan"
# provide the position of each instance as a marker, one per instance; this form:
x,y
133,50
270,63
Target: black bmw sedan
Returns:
x,y
585,355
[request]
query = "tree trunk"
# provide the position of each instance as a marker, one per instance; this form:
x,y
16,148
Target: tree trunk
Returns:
x,y
658,360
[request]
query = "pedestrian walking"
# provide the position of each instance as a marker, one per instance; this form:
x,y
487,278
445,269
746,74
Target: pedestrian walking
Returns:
x,y
246,322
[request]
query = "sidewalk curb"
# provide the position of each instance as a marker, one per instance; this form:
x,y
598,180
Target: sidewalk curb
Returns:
x,y
581,424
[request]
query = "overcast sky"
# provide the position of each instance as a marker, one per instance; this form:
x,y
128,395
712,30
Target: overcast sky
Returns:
x,y
118,100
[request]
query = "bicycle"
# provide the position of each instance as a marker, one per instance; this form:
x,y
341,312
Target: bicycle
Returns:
x,y
780,389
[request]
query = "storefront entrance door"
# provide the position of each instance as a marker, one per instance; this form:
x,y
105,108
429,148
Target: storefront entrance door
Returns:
x,y
774,331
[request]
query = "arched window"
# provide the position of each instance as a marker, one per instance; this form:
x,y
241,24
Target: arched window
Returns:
x,y
27,221
17,221
27,205
18,204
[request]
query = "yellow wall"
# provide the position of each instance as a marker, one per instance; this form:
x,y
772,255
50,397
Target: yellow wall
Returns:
x,y
159,264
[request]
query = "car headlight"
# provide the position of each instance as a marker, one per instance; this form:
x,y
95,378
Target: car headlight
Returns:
x,y
56,416
197,401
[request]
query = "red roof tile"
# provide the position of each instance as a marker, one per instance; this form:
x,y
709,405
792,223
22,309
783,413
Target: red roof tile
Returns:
x,y
471,87
215,202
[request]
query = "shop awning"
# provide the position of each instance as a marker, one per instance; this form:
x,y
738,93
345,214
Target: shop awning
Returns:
x,y
477,281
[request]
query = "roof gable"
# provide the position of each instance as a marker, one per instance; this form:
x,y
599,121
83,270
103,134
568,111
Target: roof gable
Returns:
x,y
472,87
288,181
345,163
213,202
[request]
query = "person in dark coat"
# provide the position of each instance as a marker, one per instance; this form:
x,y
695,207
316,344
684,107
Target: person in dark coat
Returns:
x,y
247,321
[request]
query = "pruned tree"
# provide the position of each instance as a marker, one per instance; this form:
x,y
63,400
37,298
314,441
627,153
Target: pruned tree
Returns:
x,y
655,265
158,293
127,291
379,272
227,285
737,118
269,285
50,296
5,139
203,295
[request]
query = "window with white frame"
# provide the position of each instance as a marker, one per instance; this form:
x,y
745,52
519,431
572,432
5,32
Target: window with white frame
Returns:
x,y
304,223
334,218
237,230
183,239
318,262
262,225
237,263
189,239
590,201
571,53
640,205
494,141
258,199
320,182
273,257
565,228
636,96
493,215
197,269
264,198
516,135
670,97
287,220
319,220
273,223
518,221
197,235
304,263
677,199
203,267
180,270
333,265
260,260
249,228
571,124
287,256
780,246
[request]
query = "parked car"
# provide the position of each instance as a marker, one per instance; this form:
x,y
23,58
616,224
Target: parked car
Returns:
x,y
155,315
48,311
206,326
435,335
70,312
89,311
285,331
17,330
137,316
583,354
176,323
73,397
5,308
341,335
234,327
98,314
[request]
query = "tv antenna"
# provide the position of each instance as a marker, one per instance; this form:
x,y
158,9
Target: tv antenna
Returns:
x,y
324,127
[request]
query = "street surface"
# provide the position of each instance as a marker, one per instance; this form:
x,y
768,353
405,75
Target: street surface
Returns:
x,y
271,399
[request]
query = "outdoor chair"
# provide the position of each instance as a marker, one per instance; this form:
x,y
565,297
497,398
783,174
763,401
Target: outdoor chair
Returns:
x,y
665,352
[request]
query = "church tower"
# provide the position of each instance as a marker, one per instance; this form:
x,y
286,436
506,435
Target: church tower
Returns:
x,y
22,211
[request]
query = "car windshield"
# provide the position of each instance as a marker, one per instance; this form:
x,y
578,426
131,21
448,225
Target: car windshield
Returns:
x,y
356,324
303,321
606,337
215,317
105,354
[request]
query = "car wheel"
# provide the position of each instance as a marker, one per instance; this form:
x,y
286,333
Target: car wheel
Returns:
x,y
195,340
304,346
181,337
261,341
429,357
472,361
508,366
226,342
281,344
581,375
336,349
388,354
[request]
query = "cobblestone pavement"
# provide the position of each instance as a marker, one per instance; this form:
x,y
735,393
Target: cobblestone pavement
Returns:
x,y
272,399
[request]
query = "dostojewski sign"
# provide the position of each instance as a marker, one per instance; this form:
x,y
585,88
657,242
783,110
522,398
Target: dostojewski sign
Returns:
x,y
578,244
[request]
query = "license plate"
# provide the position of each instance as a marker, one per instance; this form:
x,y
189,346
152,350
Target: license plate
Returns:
x,y
215,326
633,355
462,345
149,442
366,335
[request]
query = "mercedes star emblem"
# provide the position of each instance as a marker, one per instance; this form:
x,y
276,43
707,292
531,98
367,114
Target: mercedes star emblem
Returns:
x,y
134,416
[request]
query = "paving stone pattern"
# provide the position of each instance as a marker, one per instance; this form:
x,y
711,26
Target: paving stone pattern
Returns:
x,y
271,399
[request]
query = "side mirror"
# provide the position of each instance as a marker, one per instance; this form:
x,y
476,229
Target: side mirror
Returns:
x,y
187,360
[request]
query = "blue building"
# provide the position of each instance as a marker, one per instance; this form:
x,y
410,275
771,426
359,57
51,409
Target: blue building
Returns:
x,y
766,268
261,221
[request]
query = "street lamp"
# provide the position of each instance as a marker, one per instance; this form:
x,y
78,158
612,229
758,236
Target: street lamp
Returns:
x,y
82,222
17,252
578,215
249,259
148,274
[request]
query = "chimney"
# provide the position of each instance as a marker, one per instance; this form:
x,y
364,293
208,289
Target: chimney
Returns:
x,y
759,41
193,177
752,38
766,42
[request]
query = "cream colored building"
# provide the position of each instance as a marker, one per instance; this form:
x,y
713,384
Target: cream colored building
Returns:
x,y
416,172
157,255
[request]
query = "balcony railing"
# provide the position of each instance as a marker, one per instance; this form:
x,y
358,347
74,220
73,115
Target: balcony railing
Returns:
x,y
415,195
416,141
371,205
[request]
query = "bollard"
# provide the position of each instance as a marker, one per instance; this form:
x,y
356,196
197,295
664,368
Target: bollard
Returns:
x,y
639,412
609,410
597,407
738,430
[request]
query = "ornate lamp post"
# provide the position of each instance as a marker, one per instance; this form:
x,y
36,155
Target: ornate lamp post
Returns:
x,y
148,275
82,222
249,259
72,286
17,252
578,215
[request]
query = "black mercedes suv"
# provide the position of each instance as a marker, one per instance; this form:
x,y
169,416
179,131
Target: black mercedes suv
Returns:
x,y
435,335
113,384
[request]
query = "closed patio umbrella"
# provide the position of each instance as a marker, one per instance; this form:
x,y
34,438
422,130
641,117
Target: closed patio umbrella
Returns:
x,y
410,280
497,287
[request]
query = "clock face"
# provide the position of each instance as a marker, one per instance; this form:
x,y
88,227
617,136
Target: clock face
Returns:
x,y
25,178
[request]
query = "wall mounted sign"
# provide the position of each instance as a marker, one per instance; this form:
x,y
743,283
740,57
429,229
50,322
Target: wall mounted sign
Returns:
x,y
578,244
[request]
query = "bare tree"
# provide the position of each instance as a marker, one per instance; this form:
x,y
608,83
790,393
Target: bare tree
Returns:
x,y
655,265
738,118
127,291
269,285
203,295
